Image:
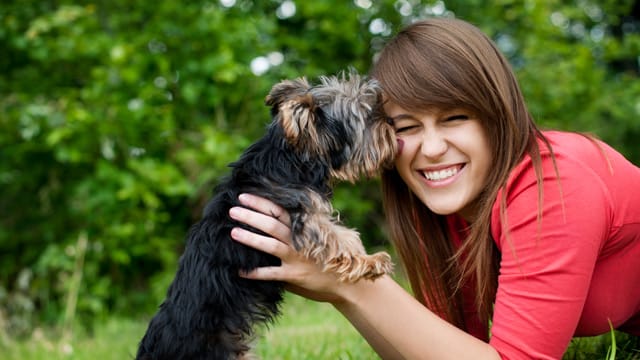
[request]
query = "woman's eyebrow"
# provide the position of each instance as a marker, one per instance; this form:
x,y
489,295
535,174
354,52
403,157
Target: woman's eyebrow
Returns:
x,y
401,117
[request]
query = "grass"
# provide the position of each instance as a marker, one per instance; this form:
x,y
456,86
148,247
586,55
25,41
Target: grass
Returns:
x,y
310,330
113,340
615,345
307,330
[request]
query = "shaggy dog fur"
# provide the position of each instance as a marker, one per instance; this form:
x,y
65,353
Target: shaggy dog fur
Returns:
x,y
329,131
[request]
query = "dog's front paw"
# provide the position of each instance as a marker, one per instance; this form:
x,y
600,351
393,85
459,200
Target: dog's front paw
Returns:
x,y
351,268
378,264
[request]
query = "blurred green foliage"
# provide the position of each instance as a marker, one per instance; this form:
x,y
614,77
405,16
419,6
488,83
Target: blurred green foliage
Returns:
x,y
117,117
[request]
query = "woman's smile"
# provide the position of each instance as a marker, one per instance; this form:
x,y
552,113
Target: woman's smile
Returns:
x,y
442,175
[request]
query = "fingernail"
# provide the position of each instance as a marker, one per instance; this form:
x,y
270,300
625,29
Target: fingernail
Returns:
x,y
243,198
236,233
234,212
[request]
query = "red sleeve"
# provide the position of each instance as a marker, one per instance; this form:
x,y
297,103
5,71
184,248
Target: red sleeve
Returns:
x,y
546,267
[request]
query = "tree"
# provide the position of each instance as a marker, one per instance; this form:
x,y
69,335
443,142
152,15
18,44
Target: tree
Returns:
x,y
116,118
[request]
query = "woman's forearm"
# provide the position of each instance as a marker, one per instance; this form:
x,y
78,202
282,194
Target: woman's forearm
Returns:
x,y
374,336
398,327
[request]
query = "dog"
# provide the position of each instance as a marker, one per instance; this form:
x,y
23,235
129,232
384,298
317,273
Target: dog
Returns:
x,y
332,131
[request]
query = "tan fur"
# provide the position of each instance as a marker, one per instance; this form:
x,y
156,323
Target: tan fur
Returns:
x,y
297,121
372,157
337,248
373,147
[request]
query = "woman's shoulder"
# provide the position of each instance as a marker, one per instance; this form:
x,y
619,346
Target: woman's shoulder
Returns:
x,y
565,156
576,158
571,147
563,167
583,148
575,174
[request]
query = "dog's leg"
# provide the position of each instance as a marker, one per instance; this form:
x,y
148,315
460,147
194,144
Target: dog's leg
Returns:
x,y
341,256
336,247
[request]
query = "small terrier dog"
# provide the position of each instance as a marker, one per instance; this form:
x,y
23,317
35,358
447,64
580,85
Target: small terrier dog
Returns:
x,y
334,130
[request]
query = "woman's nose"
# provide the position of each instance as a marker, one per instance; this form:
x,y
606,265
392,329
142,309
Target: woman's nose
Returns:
x,y
434,144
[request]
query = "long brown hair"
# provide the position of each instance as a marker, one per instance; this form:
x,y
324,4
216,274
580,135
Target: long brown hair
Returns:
x,y
447,63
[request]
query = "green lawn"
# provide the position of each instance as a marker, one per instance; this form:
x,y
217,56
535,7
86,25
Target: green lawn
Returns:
x,y
307,330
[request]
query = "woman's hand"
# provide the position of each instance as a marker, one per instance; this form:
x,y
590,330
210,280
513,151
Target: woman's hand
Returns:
x,y
303,276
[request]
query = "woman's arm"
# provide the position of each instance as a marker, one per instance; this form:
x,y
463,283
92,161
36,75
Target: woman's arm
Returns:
x,y
391,320
388,317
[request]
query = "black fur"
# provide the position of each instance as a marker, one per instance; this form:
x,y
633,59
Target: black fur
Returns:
x,y
210,311
208,306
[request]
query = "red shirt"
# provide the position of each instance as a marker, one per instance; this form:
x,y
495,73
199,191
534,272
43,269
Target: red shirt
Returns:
x,y
577,269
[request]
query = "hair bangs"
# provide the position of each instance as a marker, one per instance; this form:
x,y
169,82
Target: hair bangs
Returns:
x,y
417,79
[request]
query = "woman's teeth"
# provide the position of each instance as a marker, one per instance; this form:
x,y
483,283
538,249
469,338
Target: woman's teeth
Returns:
x,y
441,174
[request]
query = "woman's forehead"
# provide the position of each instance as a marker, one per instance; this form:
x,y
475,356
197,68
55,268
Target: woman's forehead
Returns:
x,y
393,108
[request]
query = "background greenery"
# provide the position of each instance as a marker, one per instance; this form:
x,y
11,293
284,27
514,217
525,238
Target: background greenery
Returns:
x,y
117,117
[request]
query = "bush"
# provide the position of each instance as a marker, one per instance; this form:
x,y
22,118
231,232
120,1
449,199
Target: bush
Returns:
x,y
116,119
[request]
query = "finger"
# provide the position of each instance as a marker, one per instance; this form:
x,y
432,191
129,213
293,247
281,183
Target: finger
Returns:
x,y
262,222
259,242
265,273
265,206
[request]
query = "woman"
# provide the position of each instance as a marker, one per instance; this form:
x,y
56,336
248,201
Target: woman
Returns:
x,y
496,222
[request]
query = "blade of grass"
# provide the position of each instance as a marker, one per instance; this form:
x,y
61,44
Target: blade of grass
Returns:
x,y
611,353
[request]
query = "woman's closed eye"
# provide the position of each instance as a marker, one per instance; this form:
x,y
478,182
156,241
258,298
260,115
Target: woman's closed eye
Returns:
x,y
457,117
404,128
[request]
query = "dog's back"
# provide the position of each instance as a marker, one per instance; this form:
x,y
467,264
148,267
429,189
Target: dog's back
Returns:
x,y
210,311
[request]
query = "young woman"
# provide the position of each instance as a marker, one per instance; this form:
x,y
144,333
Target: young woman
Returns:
x,y
530,236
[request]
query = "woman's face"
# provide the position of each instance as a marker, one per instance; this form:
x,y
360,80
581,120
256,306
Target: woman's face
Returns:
x,y
444,157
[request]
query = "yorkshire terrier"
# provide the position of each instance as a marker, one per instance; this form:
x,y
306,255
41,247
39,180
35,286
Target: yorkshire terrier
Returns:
x,y
334,130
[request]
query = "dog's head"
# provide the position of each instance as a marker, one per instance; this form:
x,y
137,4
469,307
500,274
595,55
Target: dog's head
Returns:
x,y
338,121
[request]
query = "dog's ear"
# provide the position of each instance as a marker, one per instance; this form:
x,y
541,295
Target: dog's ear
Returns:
x,y
294,108
287,90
